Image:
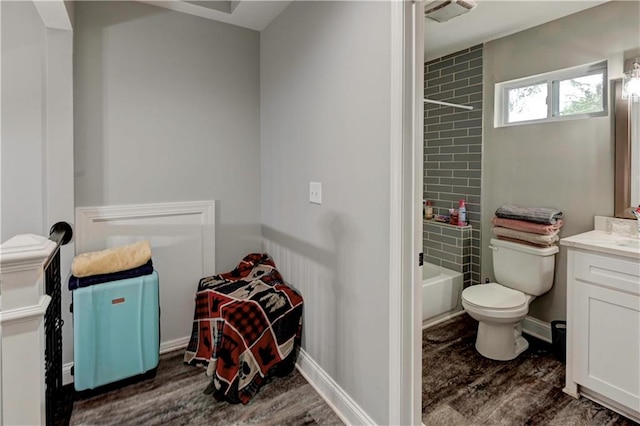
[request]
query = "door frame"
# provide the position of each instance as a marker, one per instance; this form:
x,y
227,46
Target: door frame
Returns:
x,y
405,297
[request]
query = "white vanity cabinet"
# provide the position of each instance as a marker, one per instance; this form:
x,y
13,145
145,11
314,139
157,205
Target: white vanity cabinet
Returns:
x,y
603,321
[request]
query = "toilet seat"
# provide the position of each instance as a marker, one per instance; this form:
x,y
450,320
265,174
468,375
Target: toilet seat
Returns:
x,y
494,296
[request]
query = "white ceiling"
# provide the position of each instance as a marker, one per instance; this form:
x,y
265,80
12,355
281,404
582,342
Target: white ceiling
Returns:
x,y
253,14
490,20
493,19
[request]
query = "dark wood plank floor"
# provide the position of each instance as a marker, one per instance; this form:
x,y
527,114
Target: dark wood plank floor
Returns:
x,y
460,387
175,397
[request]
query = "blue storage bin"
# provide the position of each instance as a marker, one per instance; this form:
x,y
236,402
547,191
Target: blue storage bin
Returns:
x,y
116,331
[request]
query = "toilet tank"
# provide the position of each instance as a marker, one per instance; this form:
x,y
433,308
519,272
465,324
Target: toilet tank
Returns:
x,y
523,267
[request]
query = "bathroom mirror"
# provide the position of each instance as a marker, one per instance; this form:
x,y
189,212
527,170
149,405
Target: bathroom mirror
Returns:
x,y
627,153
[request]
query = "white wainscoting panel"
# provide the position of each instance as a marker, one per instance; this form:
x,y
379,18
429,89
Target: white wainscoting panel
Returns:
x,y
182,237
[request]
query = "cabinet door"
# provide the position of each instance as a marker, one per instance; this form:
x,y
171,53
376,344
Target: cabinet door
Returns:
x,y
606,336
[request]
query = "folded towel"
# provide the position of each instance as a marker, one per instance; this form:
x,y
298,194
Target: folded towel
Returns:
x,y
532,214
75,282
542,240
111,260
526,226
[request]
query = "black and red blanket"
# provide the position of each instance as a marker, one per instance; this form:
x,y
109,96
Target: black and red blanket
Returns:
x,y
246,323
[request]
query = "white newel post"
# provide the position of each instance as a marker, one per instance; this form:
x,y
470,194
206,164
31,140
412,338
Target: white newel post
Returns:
x,y
23,306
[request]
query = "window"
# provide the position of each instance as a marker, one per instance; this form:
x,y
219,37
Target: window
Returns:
x,y
579,92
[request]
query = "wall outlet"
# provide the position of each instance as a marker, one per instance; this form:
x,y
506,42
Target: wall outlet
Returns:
x,y
315,192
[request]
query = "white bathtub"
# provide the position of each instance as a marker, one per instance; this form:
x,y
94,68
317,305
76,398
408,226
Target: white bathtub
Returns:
x,y
441,289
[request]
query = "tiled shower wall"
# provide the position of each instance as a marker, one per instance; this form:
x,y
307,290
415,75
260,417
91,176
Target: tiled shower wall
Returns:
x,y
453,143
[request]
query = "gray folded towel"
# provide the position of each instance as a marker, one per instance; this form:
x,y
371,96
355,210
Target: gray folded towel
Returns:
x,y
545,215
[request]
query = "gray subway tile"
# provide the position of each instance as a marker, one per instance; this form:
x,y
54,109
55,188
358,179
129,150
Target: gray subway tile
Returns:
x,y
475,165
468,90
454,149
458,84
457,251
454,117
475,80
431,75
439,188
453,181
441,255
432,244
438,172
454,165
467,157
468,140
439,65
432,135
452,266
444,239
432,143
475,63
441,157
468,56
468,124
453,55
472,72
431,181
455,68
466,190
453,133
432,260
430,91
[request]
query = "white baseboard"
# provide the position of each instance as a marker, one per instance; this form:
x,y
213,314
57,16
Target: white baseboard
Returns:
x,y
170,346
339,401
174,345
441,319
67,378
536,328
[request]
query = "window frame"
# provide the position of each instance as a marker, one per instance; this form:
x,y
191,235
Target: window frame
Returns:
x,y
552,79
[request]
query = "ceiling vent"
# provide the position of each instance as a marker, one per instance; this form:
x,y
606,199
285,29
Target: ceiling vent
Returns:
x,y
442,11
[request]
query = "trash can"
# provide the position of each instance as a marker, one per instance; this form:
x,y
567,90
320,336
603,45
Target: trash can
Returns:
x,y
559,339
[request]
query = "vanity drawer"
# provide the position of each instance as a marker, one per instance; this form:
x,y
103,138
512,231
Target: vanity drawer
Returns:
x,y
618,274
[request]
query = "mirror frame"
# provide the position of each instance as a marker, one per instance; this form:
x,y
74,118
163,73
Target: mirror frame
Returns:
x,y
622,129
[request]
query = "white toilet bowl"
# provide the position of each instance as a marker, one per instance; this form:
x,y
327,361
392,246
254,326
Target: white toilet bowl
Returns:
x,y
523,272
499,311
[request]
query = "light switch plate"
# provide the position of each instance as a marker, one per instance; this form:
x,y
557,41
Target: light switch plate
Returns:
x,y
315,192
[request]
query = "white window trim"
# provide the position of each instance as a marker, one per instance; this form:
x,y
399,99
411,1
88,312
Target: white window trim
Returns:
x,y
501,98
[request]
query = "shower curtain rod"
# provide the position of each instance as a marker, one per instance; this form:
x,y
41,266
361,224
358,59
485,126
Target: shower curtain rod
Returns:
x,y
430,101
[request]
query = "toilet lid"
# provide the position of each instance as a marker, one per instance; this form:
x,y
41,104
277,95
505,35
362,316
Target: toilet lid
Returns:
x,y
493,296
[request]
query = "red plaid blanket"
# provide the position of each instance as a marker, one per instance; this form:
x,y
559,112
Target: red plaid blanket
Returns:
x,y
246,322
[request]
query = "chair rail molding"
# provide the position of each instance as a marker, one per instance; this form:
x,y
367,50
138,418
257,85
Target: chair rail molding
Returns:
x,y
182,237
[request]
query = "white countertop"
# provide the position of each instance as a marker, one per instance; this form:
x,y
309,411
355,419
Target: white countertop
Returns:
x,y
604,242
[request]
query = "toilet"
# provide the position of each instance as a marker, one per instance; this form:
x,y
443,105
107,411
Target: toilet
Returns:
x,y
522,272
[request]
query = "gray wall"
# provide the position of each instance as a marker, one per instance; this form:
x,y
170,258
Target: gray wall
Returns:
x,y
568,164
167,108
453,150
22,168
325,96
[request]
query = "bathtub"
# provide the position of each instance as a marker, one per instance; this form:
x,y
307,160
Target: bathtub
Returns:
x,y
441,289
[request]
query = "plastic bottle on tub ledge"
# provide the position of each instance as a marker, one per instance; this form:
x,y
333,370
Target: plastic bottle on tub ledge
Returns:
x,y
462,213
428,212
